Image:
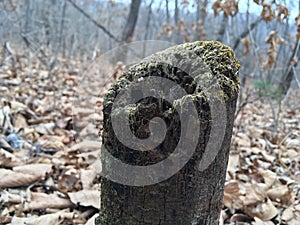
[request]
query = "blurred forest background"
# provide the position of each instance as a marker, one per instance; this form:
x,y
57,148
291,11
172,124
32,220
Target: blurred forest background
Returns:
x,y
264,34
49,139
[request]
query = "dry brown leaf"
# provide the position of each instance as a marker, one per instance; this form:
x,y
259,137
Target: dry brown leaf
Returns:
x,y
39,120
267,13
70,180
20,122
280,194
230,8
30,134
258,221
97,165
45,128
86,198
38,170
268,157
87,177
90,157
283,12
89,130
22,220
56,145
243,140
274,41
86,146
288,214
51,219
239,219
6,197
246,42
292,143
41,201
16,107
233,163
231,195
263,210
9,178
8,159
269,177
255,193
217,7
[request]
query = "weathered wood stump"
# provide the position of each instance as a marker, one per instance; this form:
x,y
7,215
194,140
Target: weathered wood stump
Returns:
x,y
170,170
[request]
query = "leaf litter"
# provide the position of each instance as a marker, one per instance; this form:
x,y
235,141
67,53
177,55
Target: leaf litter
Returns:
x,y
50,171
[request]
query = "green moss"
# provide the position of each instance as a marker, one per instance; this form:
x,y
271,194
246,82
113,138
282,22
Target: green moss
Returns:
x,y
219,66
208,71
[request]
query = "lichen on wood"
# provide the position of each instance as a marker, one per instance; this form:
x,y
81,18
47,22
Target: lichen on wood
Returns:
x,y
190,195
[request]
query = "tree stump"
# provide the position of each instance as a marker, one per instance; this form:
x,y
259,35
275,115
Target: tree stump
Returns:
x,y
166,135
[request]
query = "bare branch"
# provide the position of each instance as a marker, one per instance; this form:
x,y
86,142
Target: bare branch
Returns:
x,y
94,21
246,32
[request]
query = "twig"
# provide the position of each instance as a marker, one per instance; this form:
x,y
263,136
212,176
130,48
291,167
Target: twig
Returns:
x,y
29,45
94,21
246,32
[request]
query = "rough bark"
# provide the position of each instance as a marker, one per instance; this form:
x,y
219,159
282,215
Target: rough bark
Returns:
x,y
131,21
191,195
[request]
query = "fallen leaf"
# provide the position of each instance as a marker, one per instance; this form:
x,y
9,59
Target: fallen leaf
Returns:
x,y
262,210
9,178
8,159
86,145
42,201
38,170
86,198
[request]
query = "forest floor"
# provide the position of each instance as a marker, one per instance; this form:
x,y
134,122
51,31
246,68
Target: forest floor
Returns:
x,y
49,150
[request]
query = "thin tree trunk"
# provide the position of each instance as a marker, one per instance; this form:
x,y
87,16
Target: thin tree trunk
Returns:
x,y
176,21
167,11
59,37
131,21
200,16
222,28
147,27
288,76
186,187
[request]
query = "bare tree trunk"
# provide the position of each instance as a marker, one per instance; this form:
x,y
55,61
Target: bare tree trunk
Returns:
x,y
141,193
288,76
167,11
222,28
131,21
200,17
147,26
128,31
176,21
59,37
